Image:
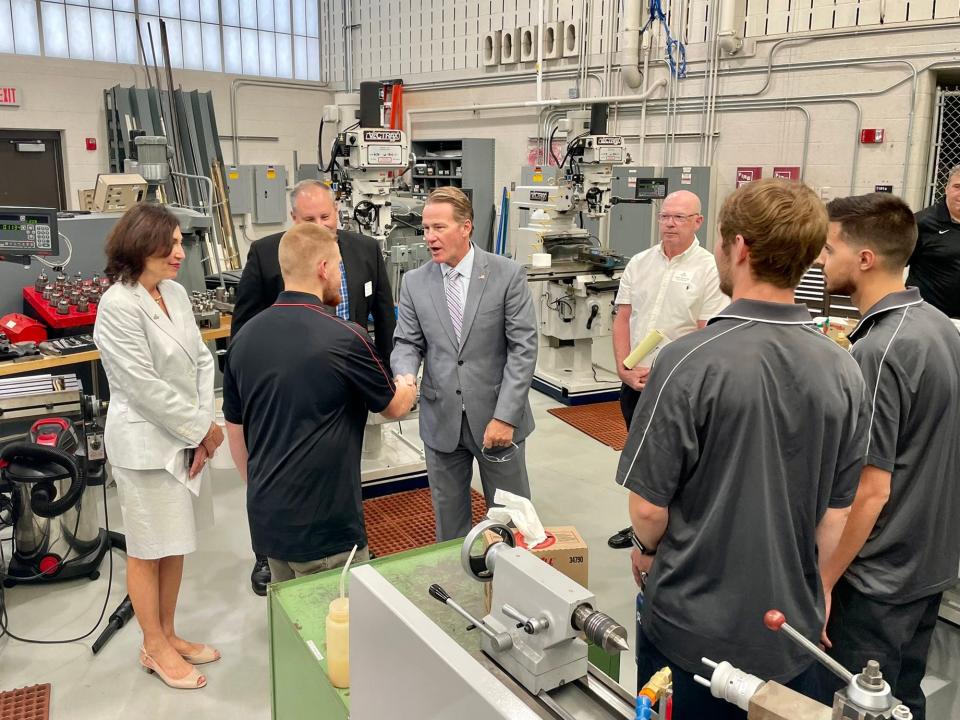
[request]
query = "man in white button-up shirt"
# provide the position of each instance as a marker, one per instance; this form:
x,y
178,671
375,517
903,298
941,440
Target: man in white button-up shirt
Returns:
x,y
672,287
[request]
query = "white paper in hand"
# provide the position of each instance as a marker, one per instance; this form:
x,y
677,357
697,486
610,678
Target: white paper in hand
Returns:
x,y
521,512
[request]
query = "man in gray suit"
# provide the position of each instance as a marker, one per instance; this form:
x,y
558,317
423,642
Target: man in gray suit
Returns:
x,y
468,316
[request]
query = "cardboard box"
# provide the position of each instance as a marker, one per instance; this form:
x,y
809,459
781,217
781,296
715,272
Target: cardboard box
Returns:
x,y
564,548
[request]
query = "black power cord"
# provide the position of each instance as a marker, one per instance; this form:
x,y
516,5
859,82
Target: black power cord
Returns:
x,y
556,160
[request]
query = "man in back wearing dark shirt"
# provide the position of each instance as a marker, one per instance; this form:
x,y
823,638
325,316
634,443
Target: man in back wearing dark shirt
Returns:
x,y
364,286
297,386
901,545
935,262
744,452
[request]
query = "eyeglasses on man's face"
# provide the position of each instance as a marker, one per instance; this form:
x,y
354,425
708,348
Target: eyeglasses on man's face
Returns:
x,y
675,218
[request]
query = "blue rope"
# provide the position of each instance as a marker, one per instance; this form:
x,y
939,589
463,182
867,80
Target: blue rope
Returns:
x,y
675,51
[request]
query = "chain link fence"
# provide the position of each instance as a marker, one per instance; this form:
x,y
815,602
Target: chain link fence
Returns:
x,y
945,153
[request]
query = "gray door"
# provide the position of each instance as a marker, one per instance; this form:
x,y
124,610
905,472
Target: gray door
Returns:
x,y
945,149
32,165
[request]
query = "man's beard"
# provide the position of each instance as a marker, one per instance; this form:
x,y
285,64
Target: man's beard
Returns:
x,y
843,287
726,286
331,297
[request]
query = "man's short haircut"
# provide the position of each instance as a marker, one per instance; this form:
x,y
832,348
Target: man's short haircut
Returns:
x,y
954,171
310,184
303,246
879,221
783,223
462,207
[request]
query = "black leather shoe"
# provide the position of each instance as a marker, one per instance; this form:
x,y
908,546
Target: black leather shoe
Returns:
x,y
621,540
260,577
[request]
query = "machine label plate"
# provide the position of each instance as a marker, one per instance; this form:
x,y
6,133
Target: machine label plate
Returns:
x,y
610,154
384,155
539,196
382,136
610,140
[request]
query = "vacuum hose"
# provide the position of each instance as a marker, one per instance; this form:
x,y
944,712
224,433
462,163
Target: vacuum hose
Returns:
x,y
47,464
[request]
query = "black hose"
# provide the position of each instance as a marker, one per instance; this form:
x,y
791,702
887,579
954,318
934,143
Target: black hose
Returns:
x,y
320,146
41,501
550,147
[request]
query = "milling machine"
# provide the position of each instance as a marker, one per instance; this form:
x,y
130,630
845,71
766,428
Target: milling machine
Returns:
x,y
366,161
573,274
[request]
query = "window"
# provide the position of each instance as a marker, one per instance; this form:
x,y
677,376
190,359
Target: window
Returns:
x,y
271,38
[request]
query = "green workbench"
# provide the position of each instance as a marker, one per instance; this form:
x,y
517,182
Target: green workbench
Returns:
x,y
298,611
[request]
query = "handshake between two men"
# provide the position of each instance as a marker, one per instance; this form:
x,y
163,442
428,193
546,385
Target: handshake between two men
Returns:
x,y
497,434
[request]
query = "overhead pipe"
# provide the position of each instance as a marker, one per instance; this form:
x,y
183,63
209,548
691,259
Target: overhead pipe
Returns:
x,y
647,49
278,84
531,104
731,41
540,50
505,78
347,44
612,6
630,52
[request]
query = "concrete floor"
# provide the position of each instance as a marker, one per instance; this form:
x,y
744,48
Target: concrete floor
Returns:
x,y
572,482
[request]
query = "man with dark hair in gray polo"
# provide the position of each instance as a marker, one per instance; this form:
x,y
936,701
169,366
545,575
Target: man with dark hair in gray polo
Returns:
x,y
743,455
901,544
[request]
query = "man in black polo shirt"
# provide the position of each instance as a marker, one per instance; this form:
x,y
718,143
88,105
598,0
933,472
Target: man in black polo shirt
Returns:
x,y
743,453
935,262
901,545
297,386
364,286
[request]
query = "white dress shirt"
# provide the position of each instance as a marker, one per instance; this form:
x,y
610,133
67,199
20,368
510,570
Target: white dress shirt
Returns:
x,y
464,269
670,294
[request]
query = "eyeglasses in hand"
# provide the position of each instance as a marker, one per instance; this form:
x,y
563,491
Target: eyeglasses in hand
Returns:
x,y
503,455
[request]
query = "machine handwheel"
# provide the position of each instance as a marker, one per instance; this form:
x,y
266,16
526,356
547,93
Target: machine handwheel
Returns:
x,y
476,565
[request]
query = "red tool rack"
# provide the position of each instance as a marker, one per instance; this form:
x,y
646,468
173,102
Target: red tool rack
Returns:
x,y
52,319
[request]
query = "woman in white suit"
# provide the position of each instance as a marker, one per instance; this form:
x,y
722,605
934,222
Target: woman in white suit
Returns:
x,y
160,429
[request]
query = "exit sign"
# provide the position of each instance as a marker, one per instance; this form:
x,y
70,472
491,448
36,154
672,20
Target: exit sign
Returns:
x,y
9,97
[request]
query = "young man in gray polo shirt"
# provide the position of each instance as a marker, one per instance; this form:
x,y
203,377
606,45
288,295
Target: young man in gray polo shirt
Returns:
x,y
743,454
901,545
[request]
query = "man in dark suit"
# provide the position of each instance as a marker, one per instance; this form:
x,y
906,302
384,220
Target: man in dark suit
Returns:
x,y
364,287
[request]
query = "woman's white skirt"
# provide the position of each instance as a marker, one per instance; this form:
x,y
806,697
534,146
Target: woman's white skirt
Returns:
x,y
161,516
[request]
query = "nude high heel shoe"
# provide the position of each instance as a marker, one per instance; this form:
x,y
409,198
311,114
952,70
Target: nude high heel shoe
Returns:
x,y
206,655
192,681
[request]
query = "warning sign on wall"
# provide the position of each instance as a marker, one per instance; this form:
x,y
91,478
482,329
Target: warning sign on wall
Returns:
x,y
787,172
748,174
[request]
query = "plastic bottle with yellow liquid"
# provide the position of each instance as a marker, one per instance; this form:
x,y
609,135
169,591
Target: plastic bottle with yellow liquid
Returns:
x,y
338,633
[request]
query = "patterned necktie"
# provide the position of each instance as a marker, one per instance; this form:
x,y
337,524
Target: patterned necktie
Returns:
x,y
455,301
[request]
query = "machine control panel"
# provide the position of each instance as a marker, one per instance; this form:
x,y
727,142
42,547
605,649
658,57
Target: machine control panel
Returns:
x,y
650,189
26,232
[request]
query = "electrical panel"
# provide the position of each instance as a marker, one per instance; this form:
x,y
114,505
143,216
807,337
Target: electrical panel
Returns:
x,y
240,188
270,194
308,171
631,217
